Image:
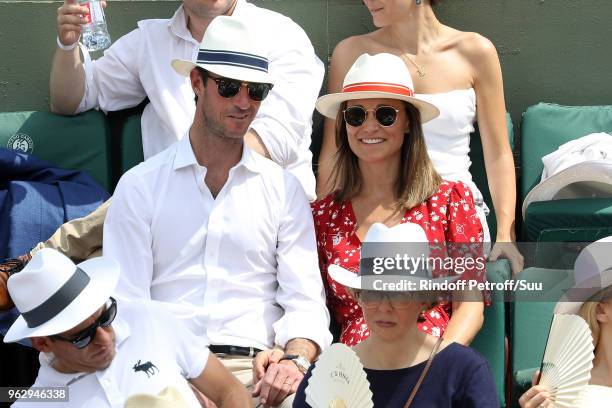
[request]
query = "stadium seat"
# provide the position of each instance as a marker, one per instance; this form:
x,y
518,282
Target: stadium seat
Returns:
x,y
73,142
544,128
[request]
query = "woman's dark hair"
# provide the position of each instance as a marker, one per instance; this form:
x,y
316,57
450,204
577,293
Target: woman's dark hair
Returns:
x,y
417,179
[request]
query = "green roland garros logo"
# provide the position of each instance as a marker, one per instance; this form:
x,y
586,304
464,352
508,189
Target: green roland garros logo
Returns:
x,y
21,143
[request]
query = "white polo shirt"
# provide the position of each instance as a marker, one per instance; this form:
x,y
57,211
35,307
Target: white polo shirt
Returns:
x,y
137,66
153,351
240,269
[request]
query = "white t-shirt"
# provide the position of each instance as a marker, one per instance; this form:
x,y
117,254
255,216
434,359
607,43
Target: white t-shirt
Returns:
x,y
146,337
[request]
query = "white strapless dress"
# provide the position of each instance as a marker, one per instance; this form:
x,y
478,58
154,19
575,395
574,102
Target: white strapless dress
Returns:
x,y
448,141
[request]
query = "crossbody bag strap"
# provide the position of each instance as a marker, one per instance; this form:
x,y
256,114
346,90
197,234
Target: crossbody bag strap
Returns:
x,y
434,351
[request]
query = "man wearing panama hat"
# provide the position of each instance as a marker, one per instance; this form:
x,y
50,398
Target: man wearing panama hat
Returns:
x,y
137,67
222,236
99,350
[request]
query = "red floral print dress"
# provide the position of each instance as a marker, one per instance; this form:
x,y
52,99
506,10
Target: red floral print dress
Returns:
x,y
447,216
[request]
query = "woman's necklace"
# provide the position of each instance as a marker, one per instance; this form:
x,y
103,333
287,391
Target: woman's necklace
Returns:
x,y
420,70
404,56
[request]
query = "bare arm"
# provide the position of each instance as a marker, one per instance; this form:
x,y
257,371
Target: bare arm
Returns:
x,y
67,82
345,53
253,140
218,384
465,323
499,164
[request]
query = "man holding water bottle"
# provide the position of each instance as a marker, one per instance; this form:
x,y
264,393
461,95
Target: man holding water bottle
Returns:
x,y
136,67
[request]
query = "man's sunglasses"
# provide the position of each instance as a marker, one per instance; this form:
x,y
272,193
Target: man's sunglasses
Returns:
x,y
356,115
86,336
228,88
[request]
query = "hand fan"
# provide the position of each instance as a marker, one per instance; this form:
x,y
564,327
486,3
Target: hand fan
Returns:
x,y
594,396
338,381
568,359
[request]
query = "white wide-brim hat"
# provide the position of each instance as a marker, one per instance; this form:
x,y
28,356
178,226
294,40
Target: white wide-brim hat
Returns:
x,y
412,241
169,397
377,76
230,48
54,295
592,273
582,180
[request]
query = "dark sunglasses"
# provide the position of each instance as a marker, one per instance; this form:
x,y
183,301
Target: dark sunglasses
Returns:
x,y
86,336
356,115
228,88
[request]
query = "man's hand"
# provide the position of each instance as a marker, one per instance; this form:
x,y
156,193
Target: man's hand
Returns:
x,y
279,380
70,17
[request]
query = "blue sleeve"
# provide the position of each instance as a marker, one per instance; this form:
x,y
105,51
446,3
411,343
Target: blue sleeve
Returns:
x,y
300,395
478,389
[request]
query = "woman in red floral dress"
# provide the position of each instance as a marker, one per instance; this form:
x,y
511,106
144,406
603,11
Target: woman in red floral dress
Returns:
x,y
385,175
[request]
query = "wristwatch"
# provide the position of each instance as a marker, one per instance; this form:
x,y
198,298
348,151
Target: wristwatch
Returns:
x,y
301,362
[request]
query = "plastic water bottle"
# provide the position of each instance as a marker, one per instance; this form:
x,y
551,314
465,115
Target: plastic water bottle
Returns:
x,y
94,34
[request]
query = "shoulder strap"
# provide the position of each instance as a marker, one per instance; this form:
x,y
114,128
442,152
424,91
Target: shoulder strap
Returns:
x,y
434,351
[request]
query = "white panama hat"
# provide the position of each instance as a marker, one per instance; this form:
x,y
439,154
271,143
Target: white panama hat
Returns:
x,y
230,48
592,273
54,295
582,180
376,76
411,240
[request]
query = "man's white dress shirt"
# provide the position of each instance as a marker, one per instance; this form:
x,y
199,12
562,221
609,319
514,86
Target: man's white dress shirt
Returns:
x,y
240,268
137,66
145,333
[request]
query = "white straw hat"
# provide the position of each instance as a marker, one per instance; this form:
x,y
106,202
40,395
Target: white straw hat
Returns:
x,y
411,240
230,48
376,76
54,295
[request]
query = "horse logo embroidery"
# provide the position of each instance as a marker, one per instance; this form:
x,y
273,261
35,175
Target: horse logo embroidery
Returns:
x,y
148,368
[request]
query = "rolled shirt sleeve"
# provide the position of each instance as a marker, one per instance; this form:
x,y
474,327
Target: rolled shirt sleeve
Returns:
x,y
112,81
300,291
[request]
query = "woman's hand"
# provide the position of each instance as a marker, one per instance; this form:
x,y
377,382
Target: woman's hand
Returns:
x,y
510,251
538,396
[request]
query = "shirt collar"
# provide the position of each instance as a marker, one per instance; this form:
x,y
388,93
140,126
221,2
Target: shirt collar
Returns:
x,y
178,25
178,22
185,157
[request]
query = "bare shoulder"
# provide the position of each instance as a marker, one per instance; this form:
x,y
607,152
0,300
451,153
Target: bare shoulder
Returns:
x,y
347,50
344,55
475,47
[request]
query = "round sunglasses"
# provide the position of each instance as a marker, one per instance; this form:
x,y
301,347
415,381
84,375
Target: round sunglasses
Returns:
x,y
356,115
86,336
228,88
373,298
